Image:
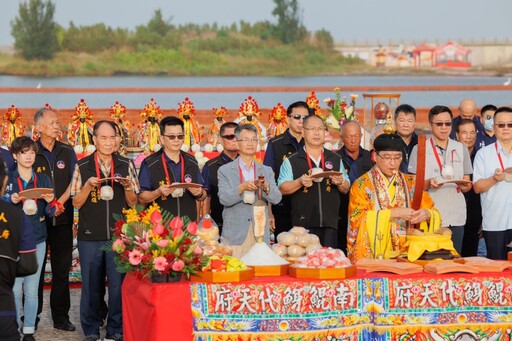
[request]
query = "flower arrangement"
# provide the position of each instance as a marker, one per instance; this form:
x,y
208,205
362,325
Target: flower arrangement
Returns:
x,y
339,110
151,242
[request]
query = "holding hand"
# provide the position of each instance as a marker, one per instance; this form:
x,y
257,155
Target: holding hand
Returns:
x,y
125,182
16,198
48,197
499,175
93,182
166,190
420,216
306,180
195,191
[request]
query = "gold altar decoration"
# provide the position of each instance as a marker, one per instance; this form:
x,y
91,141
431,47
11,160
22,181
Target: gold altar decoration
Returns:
x,y
12,127
149,129
192,130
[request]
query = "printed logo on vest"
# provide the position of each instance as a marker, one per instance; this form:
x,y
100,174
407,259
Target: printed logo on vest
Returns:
x,y
328,165
188,178
117,175
61,164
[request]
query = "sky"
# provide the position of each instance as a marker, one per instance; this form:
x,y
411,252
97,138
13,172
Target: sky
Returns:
x,y
348,20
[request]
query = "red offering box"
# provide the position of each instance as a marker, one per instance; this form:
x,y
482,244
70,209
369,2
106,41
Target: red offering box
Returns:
x,y
322,273
270,270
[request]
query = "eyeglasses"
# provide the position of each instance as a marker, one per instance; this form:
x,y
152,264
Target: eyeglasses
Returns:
x,y
502,125
388,158
229,137
298,117
247,140
175,137
315,129
440,124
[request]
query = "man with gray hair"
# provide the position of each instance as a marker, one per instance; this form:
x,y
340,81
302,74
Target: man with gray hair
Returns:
x,y
57,160
352,151
238,188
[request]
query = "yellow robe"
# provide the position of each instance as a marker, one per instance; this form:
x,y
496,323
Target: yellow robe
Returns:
x,y
371,231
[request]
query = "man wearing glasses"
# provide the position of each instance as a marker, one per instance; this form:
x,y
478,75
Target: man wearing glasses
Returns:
x,y
493,180
171,165
380,205
446,160
315,202
279,148
230,152
238,191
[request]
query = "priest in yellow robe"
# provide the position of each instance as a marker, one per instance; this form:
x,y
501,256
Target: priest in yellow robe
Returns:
x,y
380,203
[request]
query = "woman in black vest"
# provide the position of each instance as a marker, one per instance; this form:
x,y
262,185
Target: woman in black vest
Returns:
x,y
16,243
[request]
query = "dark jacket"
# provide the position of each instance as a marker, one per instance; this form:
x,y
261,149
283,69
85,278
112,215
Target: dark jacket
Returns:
x,y
279,148
184,206
210,170
318,205
96,216
60,172
36,221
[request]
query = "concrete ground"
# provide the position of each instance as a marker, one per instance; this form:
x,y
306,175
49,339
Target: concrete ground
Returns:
x,y
45,330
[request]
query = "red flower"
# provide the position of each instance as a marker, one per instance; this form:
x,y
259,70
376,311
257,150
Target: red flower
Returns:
x,y
192,228
177,233
156,217
176,224
158,229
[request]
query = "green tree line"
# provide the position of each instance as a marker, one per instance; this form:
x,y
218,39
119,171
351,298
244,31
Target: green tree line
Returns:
x,y
37,36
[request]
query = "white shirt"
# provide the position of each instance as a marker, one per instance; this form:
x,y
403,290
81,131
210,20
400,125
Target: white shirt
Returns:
x,y
497,200
448,200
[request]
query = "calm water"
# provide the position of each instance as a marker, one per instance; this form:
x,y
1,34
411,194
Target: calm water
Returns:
x,y
233,100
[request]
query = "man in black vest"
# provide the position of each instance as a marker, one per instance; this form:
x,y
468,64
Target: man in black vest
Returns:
x,y
57,160
279,148
315,202
96,224
211,183
16,240
170,165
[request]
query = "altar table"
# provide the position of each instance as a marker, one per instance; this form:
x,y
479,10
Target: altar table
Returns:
x,y
370,306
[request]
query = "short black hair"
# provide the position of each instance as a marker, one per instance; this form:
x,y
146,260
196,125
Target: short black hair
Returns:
x,y
298,104
310,117
406,109
98,124
23,144
227,125
500,110
465,121
488,107
171,121
436,110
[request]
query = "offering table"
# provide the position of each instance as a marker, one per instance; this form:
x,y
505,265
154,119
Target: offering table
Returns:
x,y
370,306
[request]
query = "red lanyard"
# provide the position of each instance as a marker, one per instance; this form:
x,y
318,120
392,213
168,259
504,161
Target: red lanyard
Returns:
x,y
97,166
438,159
242,175
499,156
20,184
168,178
309,161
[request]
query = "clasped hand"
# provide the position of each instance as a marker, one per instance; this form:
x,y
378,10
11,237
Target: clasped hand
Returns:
x,y
411,215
